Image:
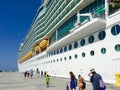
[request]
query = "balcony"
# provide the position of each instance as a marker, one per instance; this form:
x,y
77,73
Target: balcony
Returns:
x,y
86,29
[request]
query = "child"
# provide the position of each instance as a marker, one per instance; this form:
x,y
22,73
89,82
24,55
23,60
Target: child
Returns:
x,y
47,80
81,82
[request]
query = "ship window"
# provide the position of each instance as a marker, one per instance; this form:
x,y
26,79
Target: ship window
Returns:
x,y
101,35
60,59
54,52
58,51
70,57
103,50
82,42
65,49
65,58
91,39
83,54
51,61
75,44
54,61
92,53
61,50
70,47
76,56
51,53
117,47
57,60
115,30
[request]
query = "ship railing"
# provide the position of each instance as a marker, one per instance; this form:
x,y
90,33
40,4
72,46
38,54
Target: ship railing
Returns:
x,y
77,25
92,16
99,15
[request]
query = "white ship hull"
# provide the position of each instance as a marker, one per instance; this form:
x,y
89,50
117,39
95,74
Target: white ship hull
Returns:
x,y
81,59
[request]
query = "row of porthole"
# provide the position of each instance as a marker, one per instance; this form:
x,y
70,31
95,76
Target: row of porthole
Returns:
x,y
101,36
92,53
103,50
115,30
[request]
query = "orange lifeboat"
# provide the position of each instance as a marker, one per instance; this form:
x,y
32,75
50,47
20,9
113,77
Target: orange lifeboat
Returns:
x,y
43,44
37,50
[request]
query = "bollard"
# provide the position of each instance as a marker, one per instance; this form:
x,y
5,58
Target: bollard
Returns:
x,y
117,75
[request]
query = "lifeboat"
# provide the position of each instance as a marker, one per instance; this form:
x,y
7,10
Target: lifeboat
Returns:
x,y
37,49
27,56
43,44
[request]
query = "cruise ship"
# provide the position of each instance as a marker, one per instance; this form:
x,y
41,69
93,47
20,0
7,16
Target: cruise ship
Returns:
x,y
74,35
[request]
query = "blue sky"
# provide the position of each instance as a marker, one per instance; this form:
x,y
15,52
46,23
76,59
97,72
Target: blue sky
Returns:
x,y
15,19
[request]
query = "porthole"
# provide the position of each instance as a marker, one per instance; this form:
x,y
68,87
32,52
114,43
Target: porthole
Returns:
x,y
91,39
51,53
65,58
76,56
70,47
82,42
61,50
57,60
117,47
75,44
54,52
65,49
92,53
83,54
101,35
103,50
70,57
115,30
58,51
60,59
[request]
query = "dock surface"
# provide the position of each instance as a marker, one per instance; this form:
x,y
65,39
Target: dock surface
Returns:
x,y
16,81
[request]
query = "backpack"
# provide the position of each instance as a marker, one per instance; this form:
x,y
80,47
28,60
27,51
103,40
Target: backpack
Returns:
x,y
76,82
84,85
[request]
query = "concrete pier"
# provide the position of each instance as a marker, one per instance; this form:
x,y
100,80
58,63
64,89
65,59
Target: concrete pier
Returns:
x,y
16,81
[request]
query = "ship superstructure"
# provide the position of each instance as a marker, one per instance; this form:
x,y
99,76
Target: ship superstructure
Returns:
x,y
74,35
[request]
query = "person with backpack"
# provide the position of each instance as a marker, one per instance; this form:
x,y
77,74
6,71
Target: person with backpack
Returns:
x,y
96,80
73,81
81,83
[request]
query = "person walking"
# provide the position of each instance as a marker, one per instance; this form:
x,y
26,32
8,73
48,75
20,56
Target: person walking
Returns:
x,y
96,80
72,81
31,73
25,74
41,74
81,83
47,79
90,75
37,72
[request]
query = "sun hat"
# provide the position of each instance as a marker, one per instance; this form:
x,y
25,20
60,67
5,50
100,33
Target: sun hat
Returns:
x,y
92,70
